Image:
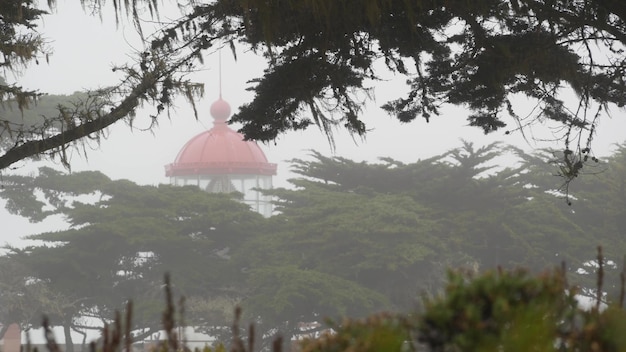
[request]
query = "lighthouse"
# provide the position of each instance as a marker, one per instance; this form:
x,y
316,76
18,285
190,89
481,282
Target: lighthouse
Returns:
x,y
219,160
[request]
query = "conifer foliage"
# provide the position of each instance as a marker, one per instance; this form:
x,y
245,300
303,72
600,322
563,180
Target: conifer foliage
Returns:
x,y
477,54
20,44
349,239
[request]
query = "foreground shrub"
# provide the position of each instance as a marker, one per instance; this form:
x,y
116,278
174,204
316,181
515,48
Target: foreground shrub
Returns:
x,y
499,309
495,311
379,332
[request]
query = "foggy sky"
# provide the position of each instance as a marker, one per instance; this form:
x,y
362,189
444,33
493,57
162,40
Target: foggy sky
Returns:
x,y
85,49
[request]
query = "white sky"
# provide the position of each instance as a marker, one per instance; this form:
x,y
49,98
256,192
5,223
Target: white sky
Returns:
x,y
86,48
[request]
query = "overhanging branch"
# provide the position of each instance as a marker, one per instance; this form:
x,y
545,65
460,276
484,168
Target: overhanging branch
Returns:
x,y
36,147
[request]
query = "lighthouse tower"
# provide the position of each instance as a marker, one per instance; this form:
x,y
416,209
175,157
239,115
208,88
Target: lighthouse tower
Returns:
x,y
219,160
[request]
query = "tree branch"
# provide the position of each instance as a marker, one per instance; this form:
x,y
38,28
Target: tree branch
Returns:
x,y
35,147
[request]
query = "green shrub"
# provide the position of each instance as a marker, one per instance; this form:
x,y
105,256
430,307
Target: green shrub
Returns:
x,y
379,332
501,309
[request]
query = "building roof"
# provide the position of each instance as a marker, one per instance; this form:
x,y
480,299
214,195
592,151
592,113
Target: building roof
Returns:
x,y
220,151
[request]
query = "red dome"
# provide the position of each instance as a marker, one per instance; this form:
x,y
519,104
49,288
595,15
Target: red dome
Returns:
x,y
220,150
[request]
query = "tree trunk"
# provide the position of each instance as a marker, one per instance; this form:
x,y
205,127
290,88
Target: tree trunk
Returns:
x,y
67,330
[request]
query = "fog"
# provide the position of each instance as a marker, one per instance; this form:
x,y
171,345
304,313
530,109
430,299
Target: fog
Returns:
x,y
85,48
390,233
